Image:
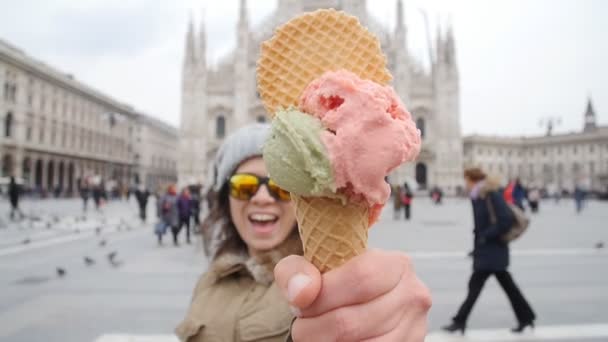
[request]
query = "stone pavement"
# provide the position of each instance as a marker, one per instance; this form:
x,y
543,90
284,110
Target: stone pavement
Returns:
x,y
557,265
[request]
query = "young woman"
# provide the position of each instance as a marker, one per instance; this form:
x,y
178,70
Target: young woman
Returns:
x,y
258,287
491,253
168,214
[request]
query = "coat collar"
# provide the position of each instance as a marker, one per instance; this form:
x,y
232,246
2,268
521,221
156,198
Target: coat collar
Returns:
x,y
259,267
481,189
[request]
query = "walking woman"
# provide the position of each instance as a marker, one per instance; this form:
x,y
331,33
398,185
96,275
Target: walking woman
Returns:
x,y
490,254
251,231
168,215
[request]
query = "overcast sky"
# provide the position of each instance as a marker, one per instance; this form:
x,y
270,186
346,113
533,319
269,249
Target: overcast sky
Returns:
x,y
520,60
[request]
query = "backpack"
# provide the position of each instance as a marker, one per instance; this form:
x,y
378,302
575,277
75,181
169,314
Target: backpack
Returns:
x,y
520,222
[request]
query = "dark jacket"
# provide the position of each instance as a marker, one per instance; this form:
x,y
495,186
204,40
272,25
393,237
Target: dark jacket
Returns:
x,y
142,197
490,252
13,192
166,210
184,206
519,194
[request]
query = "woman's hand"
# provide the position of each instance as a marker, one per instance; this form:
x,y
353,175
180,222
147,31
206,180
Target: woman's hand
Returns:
x,y
375,296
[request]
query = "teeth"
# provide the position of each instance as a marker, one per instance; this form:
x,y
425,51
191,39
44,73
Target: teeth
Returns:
x,y
263,217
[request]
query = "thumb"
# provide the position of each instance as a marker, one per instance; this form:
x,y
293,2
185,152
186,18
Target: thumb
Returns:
x,y
299,280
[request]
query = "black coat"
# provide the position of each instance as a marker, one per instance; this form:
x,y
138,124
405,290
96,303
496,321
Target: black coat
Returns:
x,y
13,193
491,253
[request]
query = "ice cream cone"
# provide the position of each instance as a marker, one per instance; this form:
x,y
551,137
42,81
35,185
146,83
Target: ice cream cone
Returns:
x,y
331,232
309,45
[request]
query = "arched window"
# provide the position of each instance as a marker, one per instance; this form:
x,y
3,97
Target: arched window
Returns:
x,y
420,125
261,118
421,175
7,165
8,124
220,127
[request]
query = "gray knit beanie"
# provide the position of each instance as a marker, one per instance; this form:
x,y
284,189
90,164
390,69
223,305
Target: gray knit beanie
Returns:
x,y
243,144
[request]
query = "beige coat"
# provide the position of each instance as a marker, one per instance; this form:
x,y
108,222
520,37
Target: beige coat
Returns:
x,y
237,299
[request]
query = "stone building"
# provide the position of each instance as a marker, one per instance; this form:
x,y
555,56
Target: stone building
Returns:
x,y
551,161
218,99
155,157
57,130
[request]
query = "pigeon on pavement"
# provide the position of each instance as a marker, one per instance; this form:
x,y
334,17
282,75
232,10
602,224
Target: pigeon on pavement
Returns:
x,y
113,261
116,263
88,261
61,272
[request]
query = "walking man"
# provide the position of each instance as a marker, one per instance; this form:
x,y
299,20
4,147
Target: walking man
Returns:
x,y
13,194
406,200
141,195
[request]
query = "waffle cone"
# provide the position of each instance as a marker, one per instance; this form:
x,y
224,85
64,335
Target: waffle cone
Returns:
x,y
308,46
331,232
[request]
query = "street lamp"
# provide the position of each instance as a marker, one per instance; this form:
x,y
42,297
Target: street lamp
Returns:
x,y
550,122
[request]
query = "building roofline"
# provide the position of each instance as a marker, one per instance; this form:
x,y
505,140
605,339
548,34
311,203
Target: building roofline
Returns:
x,y
13,55
601,131
158,123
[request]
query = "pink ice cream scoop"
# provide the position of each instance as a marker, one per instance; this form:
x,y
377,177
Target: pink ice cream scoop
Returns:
x,y
368,133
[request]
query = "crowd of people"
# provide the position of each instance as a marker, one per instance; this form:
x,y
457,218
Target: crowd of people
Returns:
x,y
514,192
175,211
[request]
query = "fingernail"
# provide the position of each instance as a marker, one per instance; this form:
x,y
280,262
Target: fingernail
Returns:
x,y
296,284
295,311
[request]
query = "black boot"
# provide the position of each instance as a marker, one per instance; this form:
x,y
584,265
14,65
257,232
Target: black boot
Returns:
x,y
522,326
455,326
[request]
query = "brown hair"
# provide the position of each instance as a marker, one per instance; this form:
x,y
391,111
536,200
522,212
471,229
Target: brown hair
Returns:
x,y
219,214
474,174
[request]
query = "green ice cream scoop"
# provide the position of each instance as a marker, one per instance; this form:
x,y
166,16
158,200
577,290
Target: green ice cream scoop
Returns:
x,y
296,157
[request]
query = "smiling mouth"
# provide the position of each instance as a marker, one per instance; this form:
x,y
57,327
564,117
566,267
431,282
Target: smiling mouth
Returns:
x,y
263,219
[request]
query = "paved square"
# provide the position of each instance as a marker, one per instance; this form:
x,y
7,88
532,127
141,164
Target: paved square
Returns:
x,y
142,298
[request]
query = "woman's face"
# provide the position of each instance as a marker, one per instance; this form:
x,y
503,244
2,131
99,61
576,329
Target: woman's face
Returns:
x,y
262,222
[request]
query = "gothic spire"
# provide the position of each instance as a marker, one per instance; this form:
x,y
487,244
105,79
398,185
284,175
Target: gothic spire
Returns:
x,y
243,18
590,123
590,111
400,29
400,14
439,53
202,37
450,50
190,50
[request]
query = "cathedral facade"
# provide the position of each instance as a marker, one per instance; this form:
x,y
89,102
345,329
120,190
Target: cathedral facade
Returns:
x,y
217,100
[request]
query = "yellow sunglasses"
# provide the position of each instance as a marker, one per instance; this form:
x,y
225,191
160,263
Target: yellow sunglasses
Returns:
x,y
244,186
